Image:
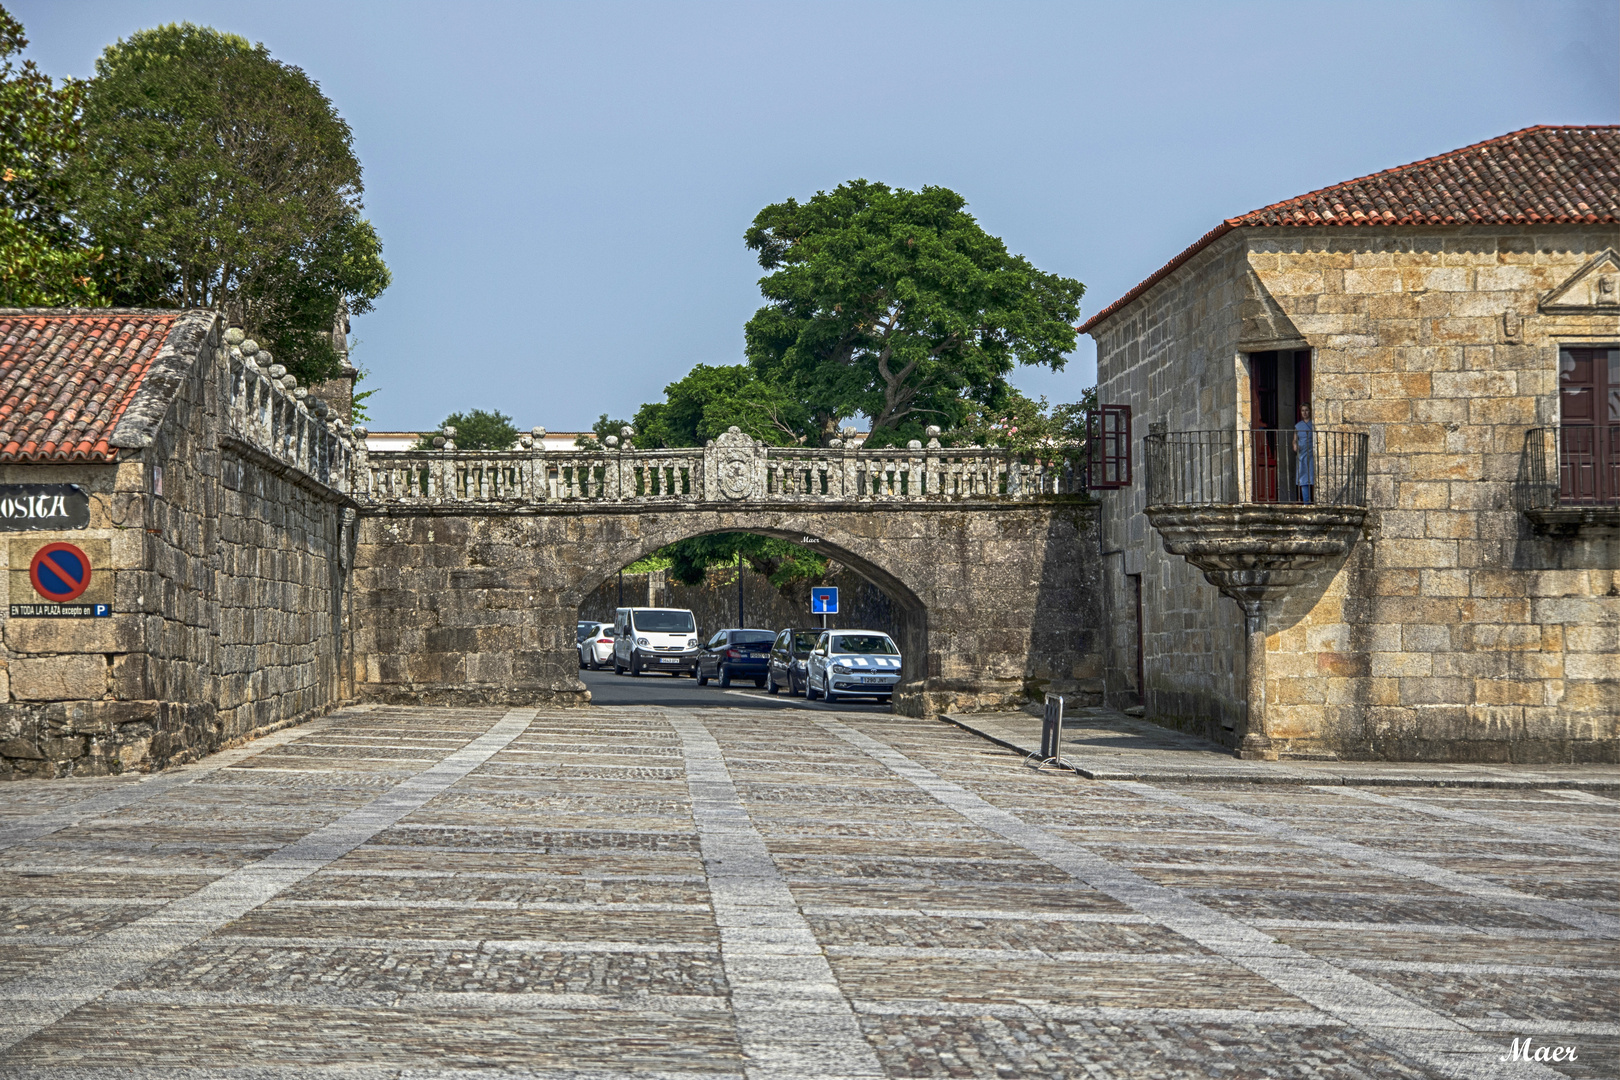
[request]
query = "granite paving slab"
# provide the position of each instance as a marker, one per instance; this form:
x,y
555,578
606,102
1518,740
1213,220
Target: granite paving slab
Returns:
x,y
659,894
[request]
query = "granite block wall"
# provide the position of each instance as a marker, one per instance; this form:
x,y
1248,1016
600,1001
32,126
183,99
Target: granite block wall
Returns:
x,y
227,574
993,604
1456,629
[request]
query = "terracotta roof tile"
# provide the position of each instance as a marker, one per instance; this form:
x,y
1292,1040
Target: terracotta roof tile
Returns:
x,y
67,376
1541,175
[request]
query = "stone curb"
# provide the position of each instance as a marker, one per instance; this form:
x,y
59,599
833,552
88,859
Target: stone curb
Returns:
x,y
1249,772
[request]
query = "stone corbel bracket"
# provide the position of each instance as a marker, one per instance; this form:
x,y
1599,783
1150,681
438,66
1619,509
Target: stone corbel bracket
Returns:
x,y
1255,553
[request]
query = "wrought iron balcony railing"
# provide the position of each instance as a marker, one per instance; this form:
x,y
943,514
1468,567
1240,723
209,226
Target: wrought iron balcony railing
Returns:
x,y
1571,466
1324,468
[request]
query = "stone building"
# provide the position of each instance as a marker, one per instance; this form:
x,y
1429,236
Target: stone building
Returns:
x,y
1451,588
185,583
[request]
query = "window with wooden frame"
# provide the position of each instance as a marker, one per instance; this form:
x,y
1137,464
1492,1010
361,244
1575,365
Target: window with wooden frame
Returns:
x,y
1108,447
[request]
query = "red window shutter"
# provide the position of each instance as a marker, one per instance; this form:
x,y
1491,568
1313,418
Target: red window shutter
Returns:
x,y
1108,447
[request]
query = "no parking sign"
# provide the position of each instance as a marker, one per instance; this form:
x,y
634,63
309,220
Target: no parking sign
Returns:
x,y
62,578
60,572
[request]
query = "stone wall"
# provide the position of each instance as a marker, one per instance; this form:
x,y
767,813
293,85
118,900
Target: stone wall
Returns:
x,y
227,587
993,603
1455,630
1173,358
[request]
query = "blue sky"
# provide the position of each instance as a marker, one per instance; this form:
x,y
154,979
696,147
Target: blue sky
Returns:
x,y
562,188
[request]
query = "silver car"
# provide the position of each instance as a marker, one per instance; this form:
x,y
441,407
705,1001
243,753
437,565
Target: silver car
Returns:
x,y
852,663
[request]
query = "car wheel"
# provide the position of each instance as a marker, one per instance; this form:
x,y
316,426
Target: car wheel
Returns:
x,y
697,673
635,666
793,684
810,689
618,668
771,686
725,675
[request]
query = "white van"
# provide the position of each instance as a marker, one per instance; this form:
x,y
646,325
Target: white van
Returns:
x,y
654,639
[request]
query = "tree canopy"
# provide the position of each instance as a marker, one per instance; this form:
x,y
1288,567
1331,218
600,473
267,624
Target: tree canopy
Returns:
x,y
215,175
708,400
790,567
898,306
481,429
44,261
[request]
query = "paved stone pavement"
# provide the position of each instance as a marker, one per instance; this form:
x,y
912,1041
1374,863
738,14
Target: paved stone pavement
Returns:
x,y
696,894
1103,744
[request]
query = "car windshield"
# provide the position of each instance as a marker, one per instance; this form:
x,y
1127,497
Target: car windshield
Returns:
x,y
805,641
752,637
664,622
870,644
606,630
583,631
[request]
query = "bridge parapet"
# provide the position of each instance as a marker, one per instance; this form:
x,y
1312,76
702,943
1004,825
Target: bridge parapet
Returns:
x,y
732,469
271,415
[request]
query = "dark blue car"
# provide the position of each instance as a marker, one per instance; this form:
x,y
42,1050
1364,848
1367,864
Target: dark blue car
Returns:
x,y
735,654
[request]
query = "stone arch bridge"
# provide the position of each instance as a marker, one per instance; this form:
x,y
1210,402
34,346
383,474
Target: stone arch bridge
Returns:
x,y
470,566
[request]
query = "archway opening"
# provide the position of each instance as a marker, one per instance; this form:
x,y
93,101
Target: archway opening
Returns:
x,y
735,594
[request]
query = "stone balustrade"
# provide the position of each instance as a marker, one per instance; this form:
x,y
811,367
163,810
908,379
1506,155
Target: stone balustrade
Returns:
x,y
270,413
733,468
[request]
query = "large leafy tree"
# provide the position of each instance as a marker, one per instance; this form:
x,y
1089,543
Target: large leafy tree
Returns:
x,y
898,306
216,176
43,260
710,400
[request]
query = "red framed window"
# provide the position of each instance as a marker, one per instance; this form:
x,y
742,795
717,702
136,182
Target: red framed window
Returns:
x,y
1108,447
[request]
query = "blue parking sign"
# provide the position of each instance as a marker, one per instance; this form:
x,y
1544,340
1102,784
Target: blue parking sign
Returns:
x,y
824,600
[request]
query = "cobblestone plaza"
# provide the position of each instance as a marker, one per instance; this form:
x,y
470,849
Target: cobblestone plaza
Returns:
x,y
651,892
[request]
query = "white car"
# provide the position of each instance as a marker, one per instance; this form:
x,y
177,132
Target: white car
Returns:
x,y
654,639
852,663
595,645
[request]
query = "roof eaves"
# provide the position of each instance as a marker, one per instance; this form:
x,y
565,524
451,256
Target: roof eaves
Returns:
x,y
1163,272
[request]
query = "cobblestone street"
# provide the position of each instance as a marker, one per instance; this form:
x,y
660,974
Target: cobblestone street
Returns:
x,y
654,892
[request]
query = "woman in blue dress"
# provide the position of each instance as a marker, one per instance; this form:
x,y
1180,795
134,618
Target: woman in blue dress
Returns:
x,y
1304,455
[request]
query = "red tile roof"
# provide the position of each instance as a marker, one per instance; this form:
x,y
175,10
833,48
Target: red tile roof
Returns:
x,y
67,376
1541,175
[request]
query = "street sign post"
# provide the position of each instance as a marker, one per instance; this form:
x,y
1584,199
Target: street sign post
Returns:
x,y
824,602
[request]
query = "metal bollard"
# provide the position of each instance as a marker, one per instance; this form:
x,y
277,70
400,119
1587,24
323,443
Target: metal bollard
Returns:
x,y
1052,728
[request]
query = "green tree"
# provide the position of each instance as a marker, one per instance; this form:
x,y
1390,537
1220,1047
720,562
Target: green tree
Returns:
x,y
1027,427
216,176
709,400
791,568
481,429
43,260
898,306
597,436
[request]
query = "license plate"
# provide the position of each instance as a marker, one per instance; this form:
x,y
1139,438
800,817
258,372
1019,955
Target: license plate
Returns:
x,y
873,679
669,660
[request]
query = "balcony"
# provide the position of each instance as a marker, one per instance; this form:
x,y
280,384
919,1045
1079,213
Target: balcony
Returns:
x,y
1569,477
1257,511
